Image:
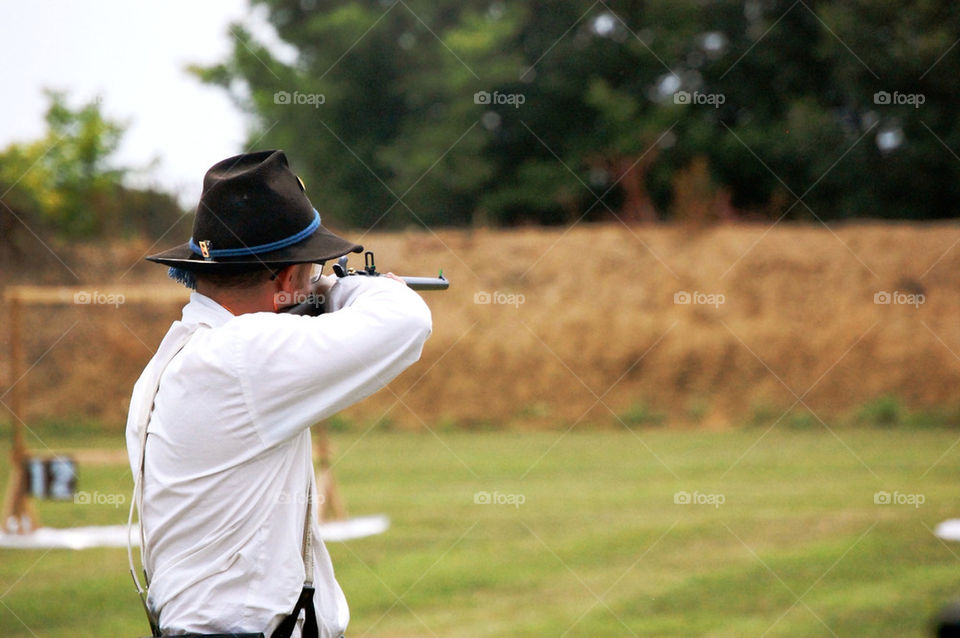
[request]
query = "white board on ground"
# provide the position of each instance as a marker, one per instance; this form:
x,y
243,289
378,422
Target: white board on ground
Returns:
x,y
116,535
949,530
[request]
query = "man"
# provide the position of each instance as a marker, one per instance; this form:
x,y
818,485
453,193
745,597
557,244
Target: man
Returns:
x,y
220,417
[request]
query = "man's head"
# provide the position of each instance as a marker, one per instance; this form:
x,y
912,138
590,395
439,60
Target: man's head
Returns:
x,y
253,223
258,290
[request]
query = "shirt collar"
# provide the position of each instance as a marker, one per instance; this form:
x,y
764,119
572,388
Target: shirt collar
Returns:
x,y
203,310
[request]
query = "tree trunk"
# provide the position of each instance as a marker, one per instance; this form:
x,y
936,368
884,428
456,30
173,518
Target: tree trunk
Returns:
x,y
630,174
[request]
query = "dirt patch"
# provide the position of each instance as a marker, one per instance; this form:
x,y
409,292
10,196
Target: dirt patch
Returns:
x,y
552,326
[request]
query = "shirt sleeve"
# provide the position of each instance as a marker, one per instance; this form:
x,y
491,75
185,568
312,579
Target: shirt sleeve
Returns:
x,y
295,370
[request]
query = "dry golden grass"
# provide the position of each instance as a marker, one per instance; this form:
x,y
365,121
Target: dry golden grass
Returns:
x,y
598,330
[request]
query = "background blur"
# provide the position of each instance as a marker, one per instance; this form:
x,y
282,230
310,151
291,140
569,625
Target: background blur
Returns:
x,y
702,312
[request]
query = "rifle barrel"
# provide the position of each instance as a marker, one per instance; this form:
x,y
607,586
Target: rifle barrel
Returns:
x,y
427,283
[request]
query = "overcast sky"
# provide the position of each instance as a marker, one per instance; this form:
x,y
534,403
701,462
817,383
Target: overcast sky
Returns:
x,y
132,54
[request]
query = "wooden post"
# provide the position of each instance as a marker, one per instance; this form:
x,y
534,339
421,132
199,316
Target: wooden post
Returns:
x,y
19,515
330,506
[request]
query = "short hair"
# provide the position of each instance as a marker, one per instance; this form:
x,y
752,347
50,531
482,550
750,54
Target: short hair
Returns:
x,y
235,280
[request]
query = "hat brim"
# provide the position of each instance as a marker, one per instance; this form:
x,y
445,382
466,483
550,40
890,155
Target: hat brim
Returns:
x,y
322,245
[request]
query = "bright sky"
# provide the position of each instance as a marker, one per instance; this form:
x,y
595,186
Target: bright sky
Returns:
x,y
133,55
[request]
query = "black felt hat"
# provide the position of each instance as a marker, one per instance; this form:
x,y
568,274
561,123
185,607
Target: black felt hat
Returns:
x,y
253,213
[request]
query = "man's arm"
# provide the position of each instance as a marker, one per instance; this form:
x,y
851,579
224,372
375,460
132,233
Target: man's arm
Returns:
x,y
296,370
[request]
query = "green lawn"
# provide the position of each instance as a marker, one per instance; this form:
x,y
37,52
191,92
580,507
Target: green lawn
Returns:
x,y
587,539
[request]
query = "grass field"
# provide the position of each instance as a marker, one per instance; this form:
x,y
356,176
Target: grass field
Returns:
x,y
584,537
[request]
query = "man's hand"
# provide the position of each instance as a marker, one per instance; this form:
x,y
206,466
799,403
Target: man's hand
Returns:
x,y
394,277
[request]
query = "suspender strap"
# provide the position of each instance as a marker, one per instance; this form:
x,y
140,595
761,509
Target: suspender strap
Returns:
x,y
158,367
305,601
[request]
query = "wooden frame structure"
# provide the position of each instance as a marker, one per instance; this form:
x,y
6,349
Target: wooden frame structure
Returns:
x,y
18,514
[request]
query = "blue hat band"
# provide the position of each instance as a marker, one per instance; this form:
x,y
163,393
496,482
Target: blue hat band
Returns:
x,y
261,248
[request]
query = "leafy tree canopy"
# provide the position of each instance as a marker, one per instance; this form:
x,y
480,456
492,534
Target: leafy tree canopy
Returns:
x,y
456,112
69,182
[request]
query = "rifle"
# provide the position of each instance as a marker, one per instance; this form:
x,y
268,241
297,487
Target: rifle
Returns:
x,y
314,305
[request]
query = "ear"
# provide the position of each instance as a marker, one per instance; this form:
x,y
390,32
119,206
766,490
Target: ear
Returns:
x,y
288,278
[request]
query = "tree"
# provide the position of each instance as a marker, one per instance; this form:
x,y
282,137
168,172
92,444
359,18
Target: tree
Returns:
x,y
67,182
454,112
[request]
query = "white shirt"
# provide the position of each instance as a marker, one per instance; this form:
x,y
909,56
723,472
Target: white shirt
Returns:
x,y
228,455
